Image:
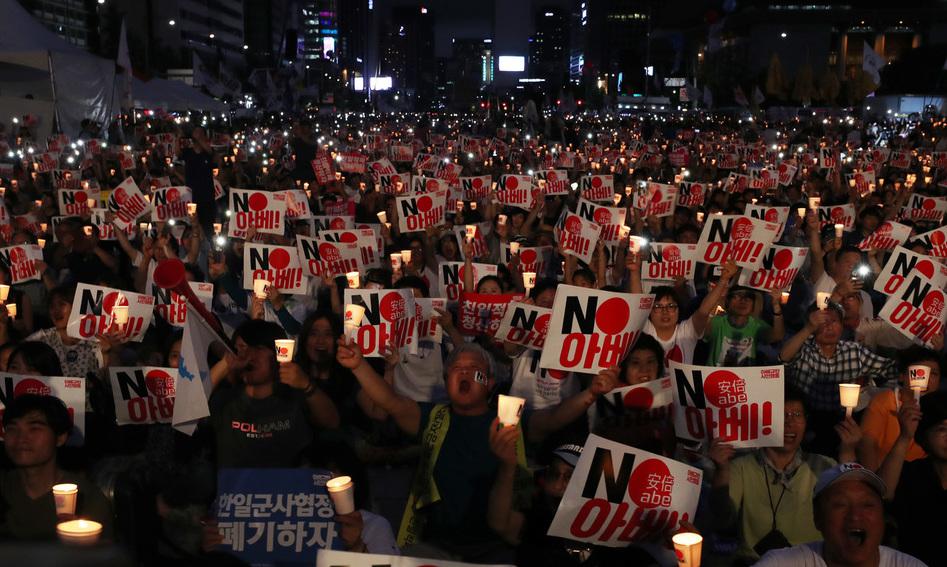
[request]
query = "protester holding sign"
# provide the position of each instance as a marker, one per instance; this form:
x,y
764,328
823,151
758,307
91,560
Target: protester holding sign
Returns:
x,y
735,336
842,268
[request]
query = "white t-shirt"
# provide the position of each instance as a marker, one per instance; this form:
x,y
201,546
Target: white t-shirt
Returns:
x,y
421,376
680,347
810,555
827,284
540,387
377,534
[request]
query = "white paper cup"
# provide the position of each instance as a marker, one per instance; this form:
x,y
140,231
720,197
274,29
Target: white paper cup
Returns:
x,y
382,217
687,548
509,409
192,208
801,212
814,202
396,260
342,491
353,279
848,396
143,227
259,288
700,216
839,228
784,297
471,231
354,314
79,532
218,227
514,248
41,242
11,310
65,496
120,314
87,230
529,280
501,220
284,349
4,292
406,256
822,299
919,376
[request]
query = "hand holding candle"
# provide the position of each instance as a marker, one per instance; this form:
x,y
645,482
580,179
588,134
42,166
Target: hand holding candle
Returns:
x,y
848,396
342,491
919,376
284,350
687,547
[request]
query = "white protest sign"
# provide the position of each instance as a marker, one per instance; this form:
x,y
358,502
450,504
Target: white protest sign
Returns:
x,y
70,390
922,208
418,212
611,219
577,236
780,266
21,260
278,265
430,332
887,236
394,183
838,214
475,188
75,202
143,394
736,237
258,209
170,203
619,495
297,205
593,329
451,277
128,204
321,258
93,313
525,325
555,181
390,320
691,194
902,263
740,406
775,215
916,310
668,261
656,199
597,187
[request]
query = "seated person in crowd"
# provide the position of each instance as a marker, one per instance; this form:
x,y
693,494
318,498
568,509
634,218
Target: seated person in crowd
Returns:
x,y
35,427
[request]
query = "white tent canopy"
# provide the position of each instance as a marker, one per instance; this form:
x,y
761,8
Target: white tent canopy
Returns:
x,y
37,65
172,95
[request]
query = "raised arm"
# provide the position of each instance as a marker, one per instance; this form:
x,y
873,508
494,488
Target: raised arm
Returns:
x,y
890,471
544,422
700,317
501,516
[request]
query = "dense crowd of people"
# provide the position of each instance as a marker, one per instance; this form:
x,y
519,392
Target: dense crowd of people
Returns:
x,y
481,492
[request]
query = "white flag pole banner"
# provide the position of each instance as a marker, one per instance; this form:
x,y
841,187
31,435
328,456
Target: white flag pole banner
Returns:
x,y
619,495
390,320
128,204
143,394
593,329
916,310
525,325
278,265
92,312
740,406
259,209
902,263
21,260
780,266
667,261
193,385
451,277
736,237
70,390
417,213
334,558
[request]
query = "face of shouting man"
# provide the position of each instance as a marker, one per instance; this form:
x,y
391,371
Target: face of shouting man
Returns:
x,y
469,383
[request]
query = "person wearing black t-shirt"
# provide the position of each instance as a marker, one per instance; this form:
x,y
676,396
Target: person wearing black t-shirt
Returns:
x,y
199,176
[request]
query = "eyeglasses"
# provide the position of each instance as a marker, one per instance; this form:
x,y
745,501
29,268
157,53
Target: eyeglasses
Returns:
x,y
790,415
665,307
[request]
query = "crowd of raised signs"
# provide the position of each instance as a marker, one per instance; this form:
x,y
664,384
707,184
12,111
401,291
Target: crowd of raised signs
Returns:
x,y
552,344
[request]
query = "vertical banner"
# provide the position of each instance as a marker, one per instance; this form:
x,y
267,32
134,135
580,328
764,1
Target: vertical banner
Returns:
x,y
735,237
902,263
740,406
143,394
916,310
390,320
322,167
259,209
276,516
92,312
619,495
780,266
68,389
525,325
593,329
418,212
278,265
668,261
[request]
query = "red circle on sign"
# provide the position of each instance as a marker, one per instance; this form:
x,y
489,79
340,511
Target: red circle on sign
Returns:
x,y
81,197
557,374
257,201
929,204
527,256
17,255
696,188
173,194
926,267
551,176
120,195
671,254
771,215
651,484
596,182
602,216
279,259
782,259
477,182
938,238
112,299
337,223
639,398
838,213
742,228
612,315
431,185
31,386
511,182
933,303
723,388
159,383
657,197
541,324
885,228
392,306
425,203
574,225
348,237
329,253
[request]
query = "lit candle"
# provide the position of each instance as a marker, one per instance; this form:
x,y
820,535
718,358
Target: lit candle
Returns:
x,y
342,491
90,203
406,256
801,212
259,288
120,315
822,299
79,532
687,547
784,297
382,217
43,226
396,261
848,395
353,319
87,230
217,228
529,280
65,497
4,293
509,410
501,220
814,202
471,231
514,248
838,230
918,377
41,242
284,349
192,209
11,310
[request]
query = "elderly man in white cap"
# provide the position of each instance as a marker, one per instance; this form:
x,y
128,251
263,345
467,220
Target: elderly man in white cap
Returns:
x,y
848,508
